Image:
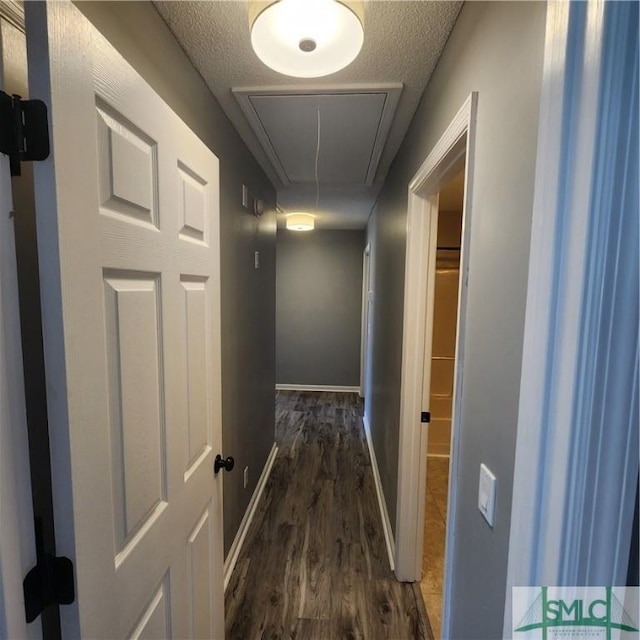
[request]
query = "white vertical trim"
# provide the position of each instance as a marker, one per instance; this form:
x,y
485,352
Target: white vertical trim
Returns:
x,y
364,325
418,320
247,519
382,504
17,546
577,448
461,330
458,141
17,538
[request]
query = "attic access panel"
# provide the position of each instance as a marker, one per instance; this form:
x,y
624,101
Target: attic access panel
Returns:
x,y
348,129
354,126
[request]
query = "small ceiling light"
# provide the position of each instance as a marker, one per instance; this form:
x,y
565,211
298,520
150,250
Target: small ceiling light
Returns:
x,y
300,222
306,38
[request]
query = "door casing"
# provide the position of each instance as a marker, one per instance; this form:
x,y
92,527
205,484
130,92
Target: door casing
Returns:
x,y
457,142
17,536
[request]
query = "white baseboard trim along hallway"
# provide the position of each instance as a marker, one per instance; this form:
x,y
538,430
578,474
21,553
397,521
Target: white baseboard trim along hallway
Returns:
x,y
386,523
238,541
317,387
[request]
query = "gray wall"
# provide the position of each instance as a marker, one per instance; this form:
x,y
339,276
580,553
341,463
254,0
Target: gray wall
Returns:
x,y
318,307
248,295
495,49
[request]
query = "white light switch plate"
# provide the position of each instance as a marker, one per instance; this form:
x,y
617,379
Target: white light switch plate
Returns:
x,y
487,494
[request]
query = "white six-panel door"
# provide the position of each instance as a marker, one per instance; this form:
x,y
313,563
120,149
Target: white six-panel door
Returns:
x,y
128,230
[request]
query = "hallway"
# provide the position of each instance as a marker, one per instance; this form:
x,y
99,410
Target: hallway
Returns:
x,y
314,563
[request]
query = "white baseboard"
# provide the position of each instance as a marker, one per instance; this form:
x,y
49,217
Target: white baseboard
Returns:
x,y
238,541
316,387
386,523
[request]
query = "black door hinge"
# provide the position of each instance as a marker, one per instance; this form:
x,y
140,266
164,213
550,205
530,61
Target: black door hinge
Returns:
x,y
24,130
425,416
51,581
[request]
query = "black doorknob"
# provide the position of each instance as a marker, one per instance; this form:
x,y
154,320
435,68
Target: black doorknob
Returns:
x,y
223,463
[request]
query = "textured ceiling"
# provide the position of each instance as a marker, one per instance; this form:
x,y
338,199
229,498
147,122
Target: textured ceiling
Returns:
x,y
403,41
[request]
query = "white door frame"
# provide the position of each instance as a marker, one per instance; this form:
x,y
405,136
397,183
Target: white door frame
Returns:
x,y
575,468
17,540
17,537
364,330
458,141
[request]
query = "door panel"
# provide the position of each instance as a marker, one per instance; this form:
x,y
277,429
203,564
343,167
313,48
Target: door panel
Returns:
x,y
155,622
195,314
127,162
133,351
138,447
199,545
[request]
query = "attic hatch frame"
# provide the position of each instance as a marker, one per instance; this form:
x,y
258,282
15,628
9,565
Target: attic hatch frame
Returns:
x,y
392,92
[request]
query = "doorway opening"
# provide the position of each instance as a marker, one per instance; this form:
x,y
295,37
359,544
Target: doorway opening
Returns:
x,y
442,357
452,155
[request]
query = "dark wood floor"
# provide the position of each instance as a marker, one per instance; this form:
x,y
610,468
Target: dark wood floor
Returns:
x,y
314,564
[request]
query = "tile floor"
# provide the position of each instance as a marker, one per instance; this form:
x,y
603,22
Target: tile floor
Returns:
x,y
435,521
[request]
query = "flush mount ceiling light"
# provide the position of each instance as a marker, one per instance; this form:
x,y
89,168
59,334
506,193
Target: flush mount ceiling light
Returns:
x,y
306,38
300,222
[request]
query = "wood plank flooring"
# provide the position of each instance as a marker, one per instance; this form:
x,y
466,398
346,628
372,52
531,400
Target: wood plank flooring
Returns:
x,y
314,563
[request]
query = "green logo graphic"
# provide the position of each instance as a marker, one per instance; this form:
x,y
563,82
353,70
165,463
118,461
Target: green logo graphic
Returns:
x,y
604,612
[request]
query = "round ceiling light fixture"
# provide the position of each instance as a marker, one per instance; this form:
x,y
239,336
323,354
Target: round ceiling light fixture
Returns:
x,y
300,222
306,38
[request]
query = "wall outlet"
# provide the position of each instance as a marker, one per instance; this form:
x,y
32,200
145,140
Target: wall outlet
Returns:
x,y
245,196
256,259
246,477
487,494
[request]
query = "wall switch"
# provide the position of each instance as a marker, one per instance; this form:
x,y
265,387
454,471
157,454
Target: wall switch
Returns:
x,y
256,259
487,494
246,477
245,196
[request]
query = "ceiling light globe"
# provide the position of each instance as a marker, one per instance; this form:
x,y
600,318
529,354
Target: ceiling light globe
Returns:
x,y
279,31
300,222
